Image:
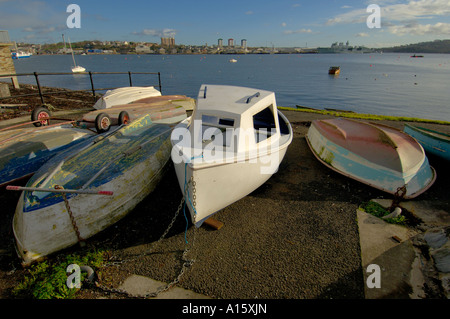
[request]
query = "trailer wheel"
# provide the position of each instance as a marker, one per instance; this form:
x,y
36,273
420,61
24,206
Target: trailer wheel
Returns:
x,y
42,115
102,123
124,118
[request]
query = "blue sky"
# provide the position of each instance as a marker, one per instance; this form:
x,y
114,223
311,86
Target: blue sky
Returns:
x,y
293,23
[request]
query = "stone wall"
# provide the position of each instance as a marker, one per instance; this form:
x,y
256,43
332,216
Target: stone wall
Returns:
x,y
7,64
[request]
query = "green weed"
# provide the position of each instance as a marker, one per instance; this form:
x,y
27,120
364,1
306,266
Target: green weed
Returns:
x,y
47,280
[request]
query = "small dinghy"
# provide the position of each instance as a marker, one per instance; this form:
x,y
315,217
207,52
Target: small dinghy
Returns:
x,y
374,154
232,144
24,150
434,142
66,201
125,95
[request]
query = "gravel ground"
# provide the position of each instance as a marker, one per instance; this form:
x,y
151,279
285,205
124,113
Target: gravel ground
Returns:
x,y
294,237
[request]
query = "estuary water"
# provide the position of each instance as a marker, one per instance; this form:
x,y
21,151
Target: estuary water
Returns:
x,y
388,84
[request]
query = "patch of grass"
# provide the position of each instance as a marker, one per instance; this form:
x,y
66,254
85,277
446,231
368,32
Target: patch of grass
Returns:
x,y
379,211
364,116
48,280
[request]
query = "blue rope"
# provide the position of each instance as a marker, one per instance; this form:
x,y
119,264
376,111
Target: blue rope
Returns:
x,y
186,189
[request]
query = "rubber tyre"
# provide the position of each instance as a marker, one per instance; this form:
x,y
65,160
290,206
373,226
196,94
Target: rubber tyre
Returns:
x,y
38,114
102,123
124,118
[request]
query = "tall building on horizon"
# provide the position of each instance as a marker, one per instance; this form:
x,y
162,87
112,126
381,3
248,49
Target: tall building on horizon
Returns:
x,y
244,44
220,43
168,42
230,42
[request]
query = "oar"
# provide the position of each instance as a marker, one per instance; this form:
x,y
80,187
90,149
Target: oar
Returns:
x,y
75,191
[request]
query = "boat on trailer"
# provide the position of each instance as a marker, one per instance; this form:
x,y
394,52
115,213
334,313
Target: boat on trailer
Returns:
x,y
232,144
434,142
86,189
125,95
168,109
374,154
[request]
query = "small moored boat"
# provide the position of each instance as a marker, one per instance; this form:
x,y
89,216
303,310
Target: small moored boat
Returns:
x,y
232,144
374,154
334,70
436,143
126,164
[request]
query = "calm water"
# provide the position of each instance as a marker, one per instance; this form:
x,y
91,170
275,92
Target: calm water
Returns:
x,y
389,83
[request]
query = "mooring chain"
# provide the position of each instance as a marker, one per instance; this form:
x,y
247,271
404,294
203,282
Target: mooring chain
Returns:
x,y
398,196
72,219
186,262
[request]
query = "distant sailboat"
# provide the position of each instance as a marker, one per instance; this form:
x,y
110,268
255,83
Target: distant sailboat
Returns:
x,y
76,68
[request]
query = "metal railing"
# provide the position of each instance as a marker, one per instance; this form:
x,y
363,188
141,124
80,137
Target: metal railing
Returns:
x,y
41,93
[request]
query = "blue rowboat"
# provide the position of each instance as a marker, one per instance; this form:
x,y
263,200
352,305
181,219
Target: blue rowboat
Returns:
x,y
24,151
436,143
374,154
127,163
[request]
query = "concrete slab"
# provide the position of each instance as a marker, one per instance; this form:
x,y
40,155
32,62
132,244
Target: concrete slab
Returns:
x,y
400,275
139,286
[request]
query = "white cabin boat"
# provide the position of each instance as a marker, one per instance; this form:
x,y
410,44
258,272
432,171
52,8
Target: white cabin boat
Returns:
x,y
232,144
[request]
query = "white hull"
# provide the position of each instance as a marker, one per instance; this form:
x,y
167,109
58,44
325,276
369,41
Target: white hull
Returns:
x,y
78,69
221,185
125,95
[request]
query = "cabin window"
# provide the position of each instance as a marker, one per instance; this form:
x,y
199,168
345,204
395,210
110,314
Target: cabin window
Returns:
x,y
264,124
214,127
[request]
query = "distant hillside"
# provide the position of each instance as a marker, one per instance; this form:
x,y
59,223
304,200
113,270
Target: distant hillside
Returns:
x,y
436,46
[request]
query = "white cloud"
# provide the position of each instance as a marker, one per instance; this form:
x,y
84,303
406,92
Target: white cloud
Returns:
x,y
421,29
284,24
166,33
401,18
298,31
412,10
249,13
361,34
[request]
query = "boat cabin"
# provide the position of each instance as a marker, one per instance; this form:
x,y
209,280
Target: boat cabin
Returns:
x,y
236,118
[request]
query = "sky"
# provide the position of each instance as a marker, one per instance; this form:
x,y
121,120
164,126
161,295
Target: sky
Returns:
x,y
263,23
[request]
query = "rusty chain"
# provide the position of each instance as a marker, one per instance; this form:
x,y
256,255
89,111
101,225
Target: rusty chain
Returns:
x,y
186,262
72,219
398,196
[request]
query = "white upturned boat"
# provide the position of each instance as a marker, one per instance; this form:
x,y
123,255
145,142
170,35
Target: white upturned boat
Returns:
x,y
233,143
125,95
127,164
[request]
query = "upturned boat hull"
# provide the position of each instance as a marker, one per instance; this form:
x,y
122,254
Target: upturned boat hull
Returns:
x,y
24,151
433,142
376,155
125,95
138,154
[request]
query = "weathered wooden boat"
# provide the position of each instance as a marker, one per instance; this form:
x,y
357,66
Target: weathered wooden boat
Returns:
x,y
125,95
374,154
232,144
334,70
57,207
434,142
24,150
168,109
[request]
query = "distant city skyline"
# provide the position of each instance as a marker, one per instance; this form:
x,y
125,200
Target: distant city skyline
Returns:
x,y
281,23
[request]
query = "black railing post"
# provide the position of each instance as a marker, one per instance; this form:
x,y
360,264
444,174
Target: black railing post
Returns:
x,y
129,77
159,80
39,87
92,84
